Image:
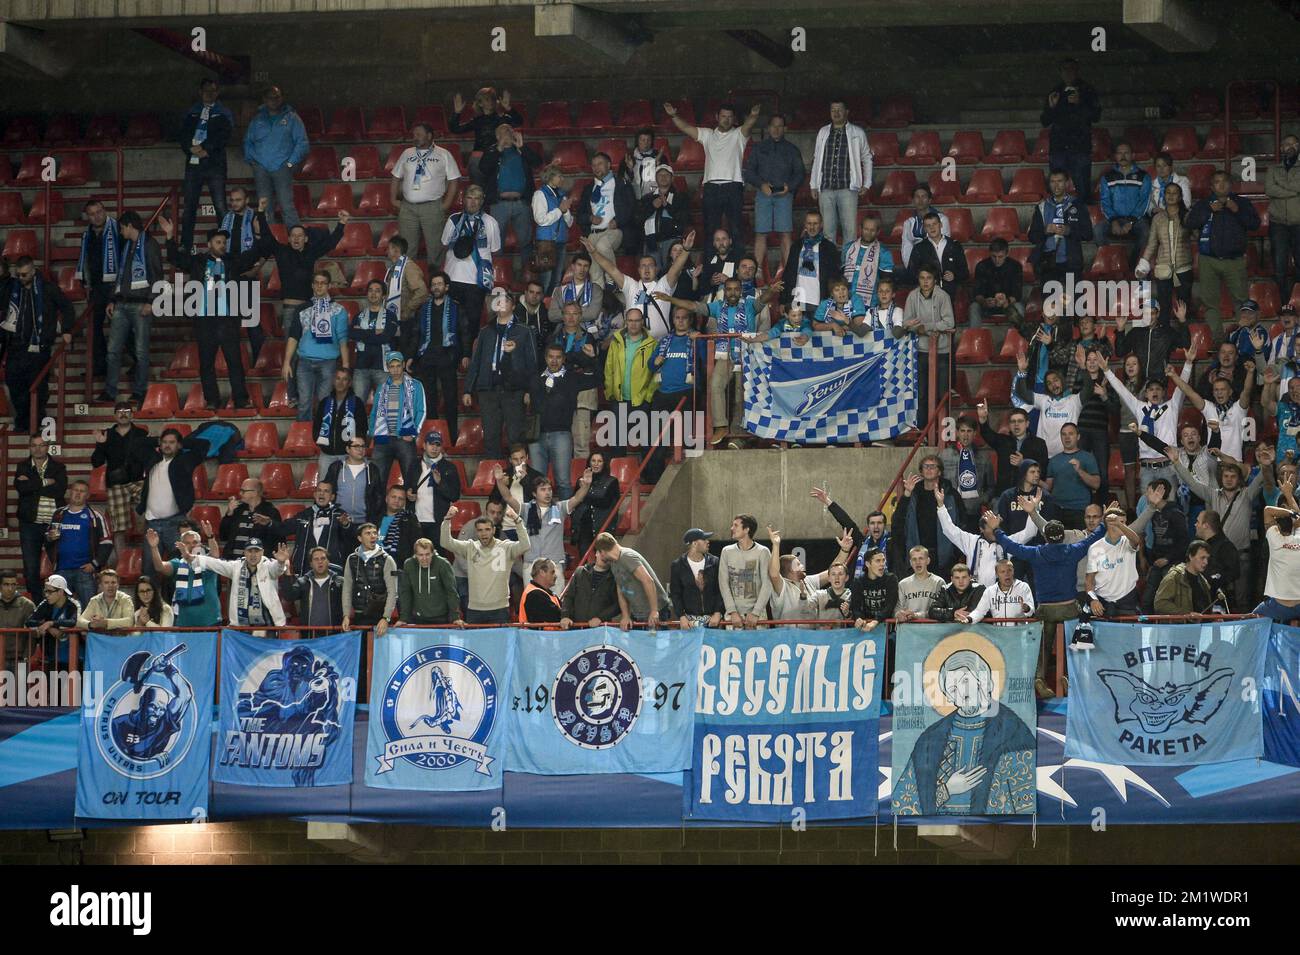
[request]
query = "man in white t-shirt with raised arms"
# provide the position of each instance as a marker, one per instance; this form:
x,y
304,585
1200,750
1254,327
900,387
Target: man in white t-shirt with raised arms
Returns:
x,y
1282,531
1055,409
639,292
1112,568
724,154
425,183
1156,417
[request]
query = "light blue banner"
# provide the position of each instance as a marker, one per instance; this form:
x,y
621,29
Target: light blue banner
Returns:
x,y
965,720
787,721
436,717
287,710
602,701
145,743
1280,696
1167,694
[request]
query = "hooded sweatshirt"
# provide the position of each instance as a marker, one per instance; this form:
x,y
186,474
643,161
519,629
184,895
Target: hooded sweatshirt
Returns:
x,y
428,594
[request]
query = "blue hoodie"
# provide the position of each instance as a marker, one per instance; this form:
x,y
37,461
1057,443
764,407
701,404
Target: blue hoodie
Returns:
x,y
1125,195
272,141
1056,566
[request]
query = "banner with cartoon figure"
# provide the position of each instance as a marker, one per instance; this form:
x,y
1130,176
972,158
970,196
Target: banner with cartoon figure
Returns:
x,y
145,740
436,719
287,710
602,701
965,720
787,722
1168,694
1279,692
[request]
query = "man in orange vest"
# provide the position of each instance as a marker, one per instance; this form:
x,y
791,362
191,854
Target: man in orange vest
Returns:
x,y
539,604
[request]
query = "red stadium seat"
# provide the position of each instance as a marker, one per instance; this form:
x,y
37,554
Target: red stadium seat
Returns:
x,y
1215,141
1266,295
615,149
1012,345
261,440
994,387
466,511
895,112
975,347
365,273
967,147
974,256
1002,222
483,483
313,121
381,247
884,148
985,187
387,122
810,113
245,354
1202,340
1200,176
594,116
1180,142
1115,468
922,149
277,480
194,406
334,198
898,188
20,242
11,209
68,284
6,171
130,564
40,212
161,401
576,468
1143,142
1041,147
142,130
300,442
1102,150
321,163
278,406
1021,255
636,114
271,358
21,131
99,483
356,240
1206,103
944,190
376,201
62,130
307,486
1008,147
470,437
346,123
435,424
206,512
502,273
551,117
365,161
226,483
690,157
571,155
289,510
1111,263
73,169
185,363
435,117
199,479
961,225
624,469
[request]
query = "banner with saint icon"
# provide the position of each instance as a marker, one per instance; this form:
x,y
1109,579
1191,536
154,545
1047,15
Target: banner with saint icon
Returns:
x,y
965,720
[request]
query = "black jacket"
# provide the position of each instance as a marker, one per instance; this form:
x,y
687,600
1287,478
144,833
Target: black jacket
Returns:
x,y
31,488
376,487
446,492
336,443
1229,231
221,125
829,267
1078,224
59,317
153,272
1153,344
296,267
515,371
123,455
489,164
1071,123
1169,535
400,544
555,406
713,264
300,591
484,125
954,261
590,514
583,600
947,601
624,214
181,473
338,540
236,263
238,527
687,597
1004,445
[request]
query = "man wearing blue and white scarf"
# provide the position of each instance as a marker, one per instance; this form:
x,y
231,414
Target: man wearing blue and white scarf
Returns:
x,y
431,343
1060,227
340,417
318,339
97,267
472,238
396,417
131,311
254,599
867,261
205,131
35,313
425,183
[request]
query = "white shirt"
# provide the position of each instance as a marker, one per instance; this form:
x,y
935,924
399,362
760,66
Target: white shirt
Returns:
x,y
886,318
1114,567
602,203
982,555
162,502
794,602
1283,564
658,315
462,270
723,153
1164,415
439,168
1232,426
1053,414
544,215
424,496
998,603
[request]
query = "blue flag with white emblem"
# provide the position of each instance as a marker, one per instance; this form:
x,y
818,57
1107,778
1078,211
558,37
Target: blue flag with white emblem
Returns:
x,y
787,719
287,710
1167,695
145,736
436,719
602,701
1280,696
833,390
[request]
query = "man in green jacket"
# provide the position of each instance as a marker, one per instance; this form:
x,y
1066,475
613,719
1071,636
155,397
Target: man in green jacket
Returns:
x,y
1185,589
426,591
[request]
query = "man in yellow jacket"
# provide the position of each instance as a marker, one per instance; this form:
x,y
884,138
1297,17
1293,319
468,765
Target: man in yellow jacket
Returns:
x,y
629,382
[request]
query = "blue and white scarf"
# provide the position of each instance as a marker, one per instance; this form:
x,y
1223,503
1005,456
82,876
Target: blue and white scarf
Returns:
x,y
406,412
503,334
214,271
393,303
473,226
112,247
421,162
862,269
449,319
967,479
349,418
201,131
1054,214
570,293
318,320
38,309
248,598
139,268
860,568
245,229
808,255
189,584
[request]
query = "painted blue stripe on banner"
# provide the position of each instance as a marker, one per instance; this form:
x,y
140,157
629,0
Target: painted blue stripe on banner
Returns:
x,y
1201,781
46,748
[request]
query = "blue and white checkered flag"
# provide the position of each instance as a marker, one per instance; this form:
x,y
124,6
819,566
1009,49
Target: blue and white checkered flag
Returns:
x,y
833,390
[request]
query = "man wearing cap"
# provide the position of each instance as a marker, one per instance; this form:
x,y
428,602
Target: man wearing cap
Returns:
x,y
57,612
122,451
254,600
501,373
432,485
396,417
1056,567
693,582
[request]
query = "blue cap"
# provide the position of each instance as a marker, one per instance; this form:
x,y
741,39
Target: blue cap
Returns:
x,y
1250,305
394,356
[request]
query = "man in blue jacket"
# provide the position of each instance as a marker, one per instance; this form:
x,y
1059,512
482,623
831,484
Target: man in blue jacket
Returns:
x,y
1060,226
1056,571
1222,223
1125,195
205,131
274,145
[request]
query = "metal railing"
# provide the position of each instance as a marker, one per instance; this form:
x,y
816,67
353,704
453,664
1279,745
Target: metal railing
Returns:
x,y
1227,120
